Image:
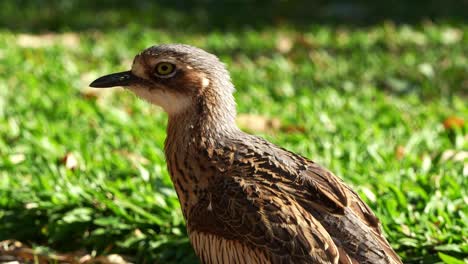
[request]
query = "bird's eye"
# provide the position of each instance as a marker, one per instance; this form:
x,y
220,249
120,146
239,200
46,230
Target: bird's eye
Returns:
x,y
164,69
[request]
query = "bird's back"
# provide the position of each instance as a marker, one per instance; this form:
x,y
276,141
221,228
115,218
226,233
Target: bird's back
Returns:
x,y
264,204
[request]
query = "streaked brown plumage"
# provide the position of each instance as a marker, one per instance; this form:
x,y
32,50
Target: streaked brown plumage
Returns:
x,y
244,199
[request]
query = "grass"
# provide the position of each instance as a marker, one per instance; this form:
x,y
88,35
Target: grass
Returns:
x,y
85,170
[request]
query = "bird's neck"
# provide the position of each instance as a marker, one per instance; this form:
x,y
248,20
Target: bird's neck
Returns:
x,y
207,124
211,116
192,138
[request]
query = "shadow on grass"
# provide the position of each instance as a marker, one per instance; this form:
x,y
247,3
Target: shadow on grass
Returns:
x,y
207,15
39,226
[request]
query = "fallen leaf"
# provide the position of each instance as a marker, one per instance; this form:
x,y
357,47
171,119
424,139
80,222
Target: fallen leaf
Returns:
x,y
71,40
369,194
453,122
14,251
451,35
110,259
17,158
293,129
400,152
455,155
85,259
258,123
33,41
137,232
31,205
284,44
91,93
426,162
426,69
135,158
406,230
70,161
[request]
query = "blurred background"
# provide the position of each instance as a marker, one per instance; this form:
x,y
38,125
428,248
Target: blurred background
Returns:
x,y
374,90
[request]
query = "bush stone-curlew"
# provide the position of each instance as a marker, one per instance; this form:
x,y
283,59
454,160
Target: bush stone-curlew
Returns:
x,y
244,199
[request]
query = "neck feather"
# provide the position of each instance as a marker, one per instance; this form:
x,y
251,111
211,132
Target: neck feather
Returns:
x,y
212,116
192,136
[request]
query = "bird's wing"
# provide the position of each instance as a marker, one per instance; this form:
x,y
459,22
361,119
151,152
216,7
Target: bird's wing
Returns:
x,y
366,216
356,230
349,221
240,214
291,208
346,218
290,171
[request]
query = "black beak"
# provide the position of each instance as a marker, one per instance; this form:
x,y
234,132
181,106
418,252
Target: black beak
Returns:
x,y
125,78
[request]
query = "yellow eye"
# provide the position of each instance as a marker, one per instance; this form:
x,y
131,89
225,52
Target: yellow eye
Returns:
x,y
164,68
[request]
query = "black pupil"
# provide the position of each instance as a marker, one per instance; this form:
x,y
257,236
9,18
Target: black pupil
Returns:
x,y
164,68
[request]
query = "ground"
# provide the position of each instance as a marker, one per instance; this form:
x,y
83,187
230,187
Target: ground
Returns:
x,y
382,105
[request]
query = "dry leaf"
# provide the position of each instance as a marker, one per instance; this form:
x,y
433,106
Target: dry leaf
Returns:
x,y
70,161
258,123
110,259
453,122
17,158
369,194
451,35
85,259
70,40
16,252
455,155
406,230
293,129
137,232
426,69
101,96
135,158
90,92
33,41
31,205
284,44
400,152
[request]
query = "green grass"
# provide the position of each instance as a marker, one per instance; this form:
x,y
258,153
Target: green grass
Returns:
x,y
369,103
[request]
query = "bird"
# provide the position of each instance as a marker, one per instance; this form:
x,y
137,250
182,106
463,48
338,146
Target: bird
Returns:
x,y
244,199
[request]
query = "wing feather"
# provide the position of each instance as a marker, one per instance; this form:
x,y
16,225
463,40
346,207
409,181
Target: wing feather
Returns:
x,y
260,219
289,208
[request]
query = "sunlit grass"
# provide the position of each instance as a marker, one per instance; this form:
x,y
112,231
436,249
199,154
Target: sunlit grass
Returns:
x,y
367,103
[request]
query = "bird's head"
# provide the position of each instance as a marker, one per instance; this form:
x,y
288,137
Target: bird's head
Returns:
x,y
179,78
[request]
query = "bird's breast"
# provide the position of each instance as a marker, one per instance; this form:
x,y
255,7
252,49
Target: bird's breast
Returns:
x,y
215,249
191,176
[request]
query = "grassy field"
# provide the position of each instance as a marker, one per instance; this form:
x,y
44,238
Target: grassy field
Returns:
x,y
383,106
